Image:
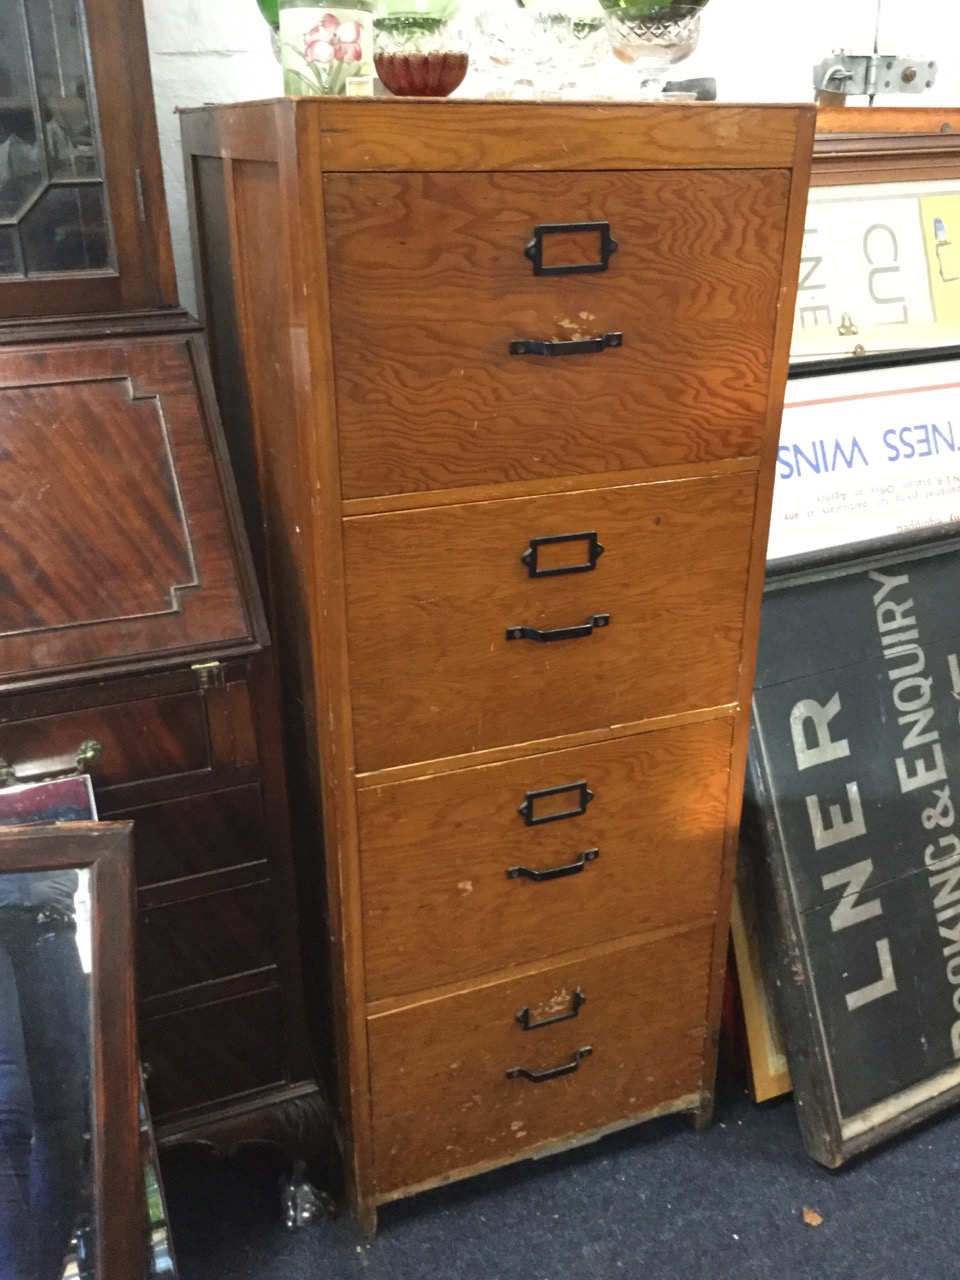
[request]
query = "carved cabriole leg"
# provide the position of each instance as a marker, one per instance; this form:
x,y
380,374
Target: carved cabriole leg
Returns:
x,y
300,1126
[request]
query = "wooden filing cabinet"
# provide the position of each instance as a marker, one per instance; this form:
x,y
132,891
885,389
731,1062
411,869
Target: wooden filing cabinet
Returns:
x,y
503,383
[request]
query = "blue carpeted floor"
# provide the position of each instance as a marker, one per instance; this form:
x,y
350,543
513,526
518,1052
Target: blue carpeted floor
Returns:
x,y
658,1202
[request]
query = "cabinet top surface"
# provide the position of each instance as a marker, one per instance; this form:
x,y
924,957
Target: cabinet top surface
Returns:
x,y
390,133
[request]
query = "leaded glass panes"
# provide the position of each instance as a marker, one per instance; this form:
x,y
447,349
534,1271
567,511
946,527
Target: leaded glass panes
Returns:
x,y
53,214
65,230
10,264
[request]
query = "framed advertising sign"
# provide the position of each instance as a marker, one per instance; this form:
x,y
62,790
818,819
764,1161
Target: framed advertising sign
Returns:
x,y
868,463
851,784
866,451
880,267
851,838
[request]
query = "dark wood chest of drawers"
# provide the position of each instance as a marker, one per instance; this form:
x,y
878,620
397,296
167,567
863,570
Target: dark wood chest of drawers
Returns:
x,y
129,615
129,620
513,374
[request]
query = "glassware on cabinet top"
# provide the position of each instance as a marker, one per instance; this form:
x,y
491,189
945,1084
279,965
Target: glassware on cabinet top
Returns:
x,y
420,48
538,50
653,36
327,49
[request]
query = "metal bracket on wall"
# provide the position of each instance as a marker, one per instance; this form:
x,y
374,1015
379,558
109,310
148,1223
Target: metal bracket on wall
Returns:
x,y
865,74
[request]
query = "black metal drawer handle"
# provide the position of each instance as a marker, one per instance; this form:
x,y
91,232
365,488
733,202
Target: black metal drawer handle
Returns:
x,y
580,347
577,1001
554,873
552,1073
559,633
527,810
531,557
534,250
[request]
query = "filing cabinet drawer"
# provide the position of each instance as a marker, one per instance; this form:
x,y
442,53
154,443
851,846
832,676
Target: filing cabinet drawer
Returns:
x,y
432,595
430,284
447,1076
477,870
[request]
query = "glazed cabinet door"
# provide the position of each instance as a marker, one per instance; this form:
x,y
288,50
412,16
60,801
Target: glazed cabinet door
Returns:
x,y
83,223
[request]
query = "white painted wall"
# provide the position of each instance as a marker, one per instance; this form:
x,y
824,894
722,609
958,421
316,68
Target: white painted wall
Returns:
x,y
202,51
758,50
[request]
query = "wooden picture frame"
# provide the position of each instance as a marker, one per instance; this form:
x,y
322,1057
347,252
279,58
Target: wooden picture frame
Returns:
x,y
851,836
103,851
766,1054
869,278
863,147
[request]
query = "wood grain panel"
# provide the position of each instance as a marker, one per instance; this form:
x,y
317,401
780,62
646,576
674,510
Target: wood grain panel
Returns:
x,y
214,1052
442,1101
439,906
457,134
863,122
117,546
149,738
196,835
179,946
69,537
431,594
430,285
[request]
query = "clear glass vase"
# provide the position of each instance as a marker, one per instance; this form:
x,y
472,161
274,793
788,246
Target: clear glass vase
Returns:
x,y
653,36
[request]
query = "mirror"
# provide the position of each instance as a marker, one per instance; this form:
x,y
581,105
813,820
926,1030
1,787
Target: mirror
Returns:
x,y
161,1262
72,1201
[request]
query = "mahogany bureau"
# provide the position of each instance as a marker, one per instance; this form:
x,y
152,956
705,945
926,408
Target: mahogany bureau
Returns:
x,y
510,378
131,632
131,647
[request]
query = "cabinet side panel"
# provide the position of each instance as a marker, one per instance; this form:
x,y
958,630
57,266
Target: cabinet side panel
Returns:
x,y
236,214
804,126
219,308
263,289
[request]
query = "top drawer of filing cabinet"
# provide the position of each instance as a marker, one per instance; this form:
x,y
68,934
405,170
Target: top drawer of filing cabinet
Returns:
x,y
430,284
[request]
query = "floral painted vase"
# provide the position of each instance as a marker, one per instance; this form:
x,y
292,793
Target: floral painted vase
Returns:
x,y
327,49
